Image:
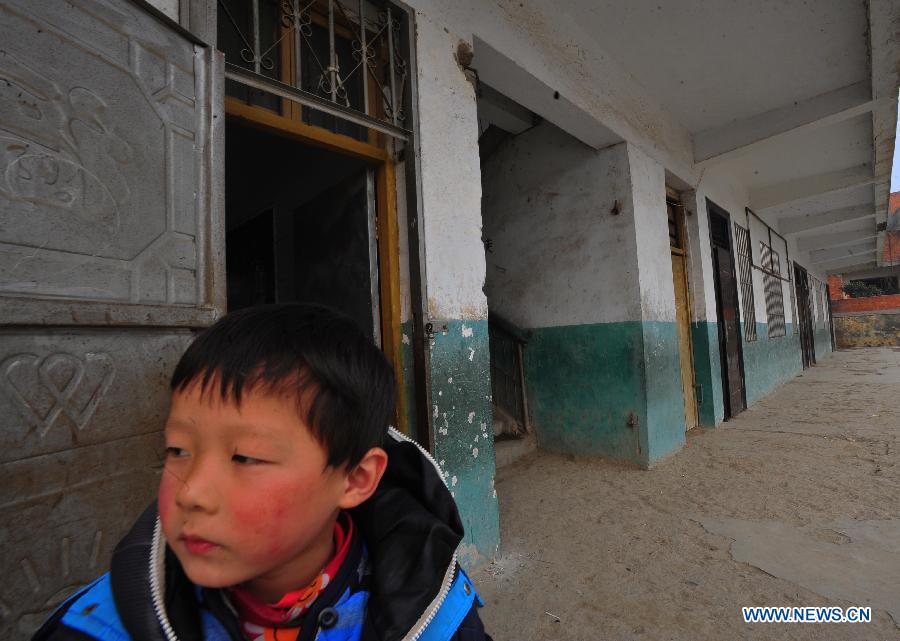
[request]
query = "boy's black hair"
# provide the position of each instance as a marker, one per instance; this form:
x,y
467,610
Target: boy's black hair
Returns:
x,y
293,349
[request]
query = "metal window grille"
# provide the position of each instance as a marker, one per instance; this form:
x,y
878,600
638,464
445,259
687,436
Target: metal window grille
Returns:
x,y
343,61
675,239
742,244
774,293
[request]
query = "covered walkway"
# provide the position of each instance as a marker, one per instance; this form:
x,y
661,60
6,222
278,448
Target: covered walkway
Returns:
x,y
796,502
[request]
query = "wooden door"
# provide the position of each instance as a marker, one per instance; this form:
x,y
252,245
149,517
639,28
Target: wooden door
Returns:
x,y
682,308
685,346
807,347
730,330
727,308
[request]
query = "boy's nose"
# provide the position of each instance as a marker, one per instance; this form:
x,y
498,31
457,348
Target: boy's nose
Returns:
x,y
198,490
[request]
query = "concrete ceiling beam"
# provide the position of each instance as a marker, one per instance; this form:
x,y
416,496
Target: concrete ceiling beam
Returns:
x,y
831,182
739,137
497,109
884,52
836,239
839,253
849,264
821,221
510,79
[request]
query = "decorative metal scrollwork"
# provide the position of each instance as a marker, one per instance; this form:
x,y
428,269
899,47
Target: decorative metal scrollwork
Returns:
x,y
362,67
297,18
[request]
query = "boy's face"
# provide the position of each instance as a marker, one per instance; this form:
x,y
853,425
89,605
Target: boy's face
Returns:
x,y
246,496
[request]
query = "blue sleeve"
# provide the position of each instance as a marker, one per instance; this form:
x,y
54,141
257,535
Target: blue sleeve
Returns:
x,y
93,612
457,619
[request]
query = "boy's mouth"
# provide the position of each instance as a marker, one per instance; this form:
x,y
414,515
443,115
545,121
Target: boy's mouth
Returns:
x,y
196,545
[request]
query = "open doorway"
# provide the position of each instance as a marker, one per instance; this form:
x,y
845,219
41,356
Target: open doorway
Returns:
x,y
500,120
300,224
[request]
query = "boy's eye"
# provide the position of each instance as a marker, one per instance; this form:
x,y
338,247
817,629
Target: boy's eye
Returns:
x,y
176,452
245,460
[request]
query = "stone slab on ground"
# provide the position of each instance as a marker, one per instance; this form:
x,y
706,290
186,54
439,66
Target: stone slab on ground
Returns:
x,y
859,562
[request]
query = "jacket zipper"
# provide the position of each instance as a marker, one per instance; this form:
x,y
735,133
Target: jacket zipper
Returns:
x,y
157,576
157,568
450,574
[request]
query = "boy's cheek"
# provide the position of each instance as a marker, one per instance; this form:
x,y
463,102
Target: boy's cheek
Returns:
x,y
165,498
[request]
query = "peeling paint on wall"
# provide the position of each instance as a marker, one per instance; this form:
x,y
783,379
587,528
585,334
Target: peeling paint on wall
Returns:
x,y
461,401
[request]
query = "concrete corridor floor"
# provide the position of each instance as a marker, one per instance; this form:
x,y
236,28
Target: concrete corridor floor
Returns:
x,y
796,502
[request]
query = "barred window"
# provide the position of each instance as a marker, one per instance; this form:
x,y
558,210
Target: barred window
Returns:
x,y
742,245
771,263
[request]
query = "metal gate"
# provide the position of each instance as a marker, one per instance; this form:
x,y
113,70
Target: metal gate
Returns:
x,y
110,254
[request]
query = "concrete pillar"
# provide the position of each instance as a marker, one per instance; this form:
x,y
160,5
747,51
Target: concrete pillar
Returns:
x,y
663,393
454,276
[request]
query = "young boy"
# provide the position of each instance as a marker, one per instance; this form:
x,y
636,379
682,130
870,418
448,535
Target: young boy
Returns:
x,y
287,509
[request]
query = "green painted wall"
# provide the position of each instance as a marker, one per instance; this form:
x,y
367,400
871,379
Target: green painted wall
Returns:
x,y
463,437
585,383
708,373
769,363
822,341
664,393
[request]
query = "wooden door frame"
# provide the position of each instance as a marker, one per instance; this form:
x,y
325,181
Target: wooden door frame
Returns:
x,y
714,209
689,301
388,235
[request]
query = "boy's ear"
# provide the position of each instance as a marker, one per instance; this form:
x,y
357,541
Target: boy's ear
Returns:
x,y
362,480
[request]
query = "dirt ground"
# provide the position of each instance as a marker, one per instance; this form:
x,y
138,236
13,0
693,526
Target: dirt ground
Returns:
x,y
796,502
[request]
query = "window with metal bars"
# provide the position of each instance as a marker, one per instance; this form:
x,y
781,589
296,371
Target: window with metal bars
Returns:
x,y
336,64
742,246
771,263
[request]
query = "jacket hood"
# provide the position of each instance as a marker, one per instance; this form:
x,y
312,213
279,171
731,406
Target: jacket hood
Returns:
x,y
410,527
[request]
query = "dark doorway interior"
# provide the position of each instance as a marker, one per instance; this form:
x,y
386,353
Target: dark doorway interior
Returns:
x,y
804,314
729,322
300,226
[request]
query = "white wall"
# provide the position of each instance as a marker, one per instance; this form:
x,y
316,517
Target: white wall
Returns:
x,y
559,256
449,175
651,228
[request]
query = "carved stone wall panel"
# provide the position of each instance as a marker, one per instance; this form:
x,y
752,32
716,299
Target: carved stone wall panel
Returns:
x,y
56,543
33,480
101,114
66,389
